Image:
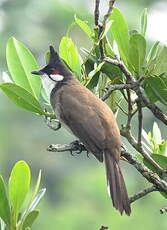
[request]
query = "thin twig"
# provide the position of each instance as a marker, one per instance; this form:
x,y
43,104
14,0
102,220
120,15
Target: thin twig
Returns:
x,y
112,88
121,66
106,16
153,178
154,109
130,110
142,194
147,173
140,120
96,12
139,90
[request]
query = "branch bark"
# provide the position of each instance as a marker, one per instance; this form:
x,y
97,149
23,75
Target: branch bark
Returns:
x,y
153,178
142,194
139,90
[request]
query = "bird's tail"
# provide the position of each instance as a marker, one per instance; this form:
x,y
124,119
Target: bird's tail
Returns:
x,y
116,185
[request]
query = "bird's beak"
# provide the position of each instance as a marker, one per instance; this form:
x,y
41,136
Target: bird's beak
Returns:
x,y
39,72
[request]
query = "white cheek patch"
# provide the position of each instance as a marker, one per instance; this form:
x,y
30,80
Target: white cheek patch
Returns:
x,y
57,77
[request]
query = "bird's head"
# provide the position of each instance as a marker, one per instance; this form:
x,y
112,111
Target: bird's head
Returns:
x,y
56,70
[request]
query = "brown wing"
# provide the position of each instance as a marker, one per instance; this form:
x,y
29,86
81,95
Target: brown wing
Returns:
x,y
80,116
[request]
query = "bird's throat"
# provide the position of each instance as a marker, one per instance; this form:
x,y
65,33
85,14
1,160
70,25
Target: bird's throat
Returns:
x,y
48,84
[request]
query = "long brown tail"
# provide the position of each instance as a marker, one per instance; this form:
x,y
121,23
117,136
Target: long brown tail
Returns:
x,y
116,185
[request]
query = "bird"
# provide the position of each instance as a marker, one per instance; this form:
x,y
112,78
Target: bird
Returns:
x,y
90,120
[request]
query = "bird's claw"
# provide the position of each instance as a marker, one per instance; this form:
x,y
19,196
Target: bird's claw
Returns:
x,y
78,147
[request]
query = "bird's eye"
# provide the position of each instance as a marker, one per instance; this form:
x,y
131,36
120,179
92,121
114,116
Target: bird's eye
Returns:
x,y
55,72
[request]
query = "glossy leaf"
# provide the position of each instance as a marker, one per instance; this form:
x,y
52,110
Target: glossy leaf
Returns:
x,y
21,97
96,69
37,186
19,182
112,71
4,203
30,218
144,22
69,53
163,148
84,26
37,199
153,51
114,100
156,134
20,63
160,159
109,50
120,33
155,88
137,51
160,63
107,28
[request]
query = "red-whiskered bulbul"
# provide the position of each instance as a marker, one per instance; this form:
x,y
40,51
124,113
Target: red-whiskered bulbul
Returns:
x,y
89,119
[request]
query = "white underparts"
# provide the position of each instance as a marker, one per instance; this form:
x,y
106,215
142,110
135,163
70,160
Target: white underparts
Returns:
x,y
49,84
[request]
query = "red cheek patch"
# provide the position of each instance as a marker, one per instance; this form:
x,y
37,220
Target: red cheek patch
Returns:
x,y
55,72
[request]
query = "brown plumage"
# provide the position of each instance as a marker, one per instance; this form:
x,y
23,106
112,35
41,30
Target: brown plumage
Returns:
x,y
91,120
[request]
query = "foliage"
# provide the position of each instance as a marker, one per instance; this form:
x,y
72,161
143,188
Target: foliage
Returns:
x,y
25,89
130,46
12,214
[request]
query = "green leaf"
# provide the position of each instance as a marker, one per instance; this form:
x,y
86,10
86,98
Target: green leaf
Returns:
x,y
96,69
114,100
30,218
112,71
160,159
102,83
84,26
144,22
37,199
109,49
155,88
156,134
19,182
107,28
20,63
160,64
163,148
4,203
119,30
153,51
21,97
69,53
137,51
37,185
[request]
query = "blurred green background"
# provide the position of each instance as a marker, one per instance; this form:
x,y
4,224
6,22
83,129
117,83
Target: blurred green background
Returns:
x,y
76,195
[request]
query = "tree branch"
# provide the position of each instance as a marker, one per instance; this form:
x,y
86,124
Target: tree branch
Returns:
x,y
142,193
106,16
139,90
96,12
140,125
153,178
112,88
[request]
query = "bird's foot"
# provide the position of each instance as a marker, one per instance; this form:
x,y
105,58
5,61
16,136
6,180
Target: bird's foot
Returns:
x,y
78,147
53,124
